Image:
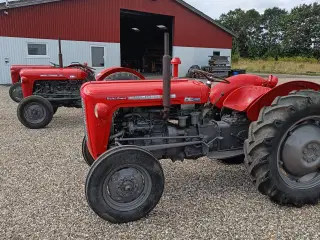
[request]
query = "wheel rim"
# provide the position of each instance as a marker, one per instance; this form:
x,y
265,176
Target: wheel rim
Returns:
x,y
127,187
34,113
299,154
17,93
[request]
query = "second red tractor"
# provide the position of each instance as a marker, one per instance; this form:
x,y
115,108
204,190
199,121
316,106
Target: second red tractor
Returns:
x,y
44,89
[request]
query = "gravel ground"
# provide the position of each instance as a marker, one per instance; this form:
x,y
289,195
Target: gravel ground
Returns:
x,y
42,177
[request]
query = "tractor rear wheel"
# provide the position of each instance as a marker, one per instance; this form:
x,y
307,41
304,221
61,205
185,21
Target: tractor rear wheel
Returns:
x,y
85,153
35,112
15,92
124,184
282,152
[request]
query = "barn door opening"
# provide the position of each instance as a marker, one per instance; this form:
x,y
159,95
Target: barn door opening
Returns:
x,y
142,40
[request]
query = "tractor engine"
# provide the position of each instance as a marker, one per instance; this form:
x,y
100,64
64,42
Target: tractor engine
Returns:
x,y
67,91
185,131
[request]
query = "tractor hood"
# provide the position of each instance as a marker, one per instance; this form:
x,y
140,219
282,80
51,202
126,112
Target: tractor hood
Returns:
x,y
19,67
53,73
127,92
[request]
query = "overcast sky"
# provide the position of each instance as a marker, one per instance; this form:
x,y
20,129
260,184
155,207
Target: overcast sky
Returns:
x,y
214,8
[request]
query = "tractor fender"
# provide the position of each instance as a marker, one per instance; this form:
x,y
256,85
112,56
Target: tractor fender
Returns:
x,y
241,98
107,72
281,90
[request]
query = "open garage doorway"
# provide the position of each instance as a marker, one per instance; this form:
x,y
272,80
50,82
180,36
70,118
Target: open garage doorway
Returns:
x,y
142,40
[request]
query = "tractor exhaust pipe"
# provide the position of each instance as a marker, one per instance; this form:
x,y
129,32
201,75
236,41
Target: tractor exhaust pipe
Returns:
x,y
166,76
60,54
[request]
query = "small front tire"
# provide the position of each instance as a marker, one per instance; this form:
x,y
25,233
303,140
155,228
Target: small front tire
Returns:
x,y
15,92
124,184
85,153
35,112
55,109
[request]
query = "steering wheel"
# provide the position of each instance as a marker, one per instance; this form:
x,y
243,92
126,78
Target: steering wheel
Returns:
x,y
54,64
83,66
210,76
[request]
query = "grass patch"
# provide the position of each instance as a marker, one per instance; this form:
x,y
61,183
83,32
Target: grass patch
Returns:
x,y
298,66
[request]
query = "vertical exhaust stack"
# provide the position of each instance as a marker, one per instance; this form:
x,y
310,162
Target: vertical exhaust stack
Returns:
x,y
60,54
166,76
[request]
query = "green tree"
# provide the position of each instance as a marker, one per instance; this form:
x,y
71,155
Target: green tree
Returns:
x,y
246,24
276,32
273,23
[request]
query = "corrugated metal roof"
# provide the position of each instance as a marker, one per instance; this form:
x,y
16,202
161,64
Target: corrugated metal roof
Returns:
x,y
23,3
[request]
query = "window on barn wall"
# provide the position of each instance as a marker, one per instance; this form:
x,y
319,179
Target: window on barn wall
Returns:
x,y
37,49
97,56
216,53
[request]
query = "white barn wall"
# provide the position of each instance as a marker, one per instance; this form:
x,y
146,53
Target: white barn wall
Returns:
x,y
196,56
15,49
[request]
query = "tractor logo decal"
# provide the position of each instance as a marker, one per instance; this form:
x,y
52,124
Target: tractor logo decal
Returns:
x,y
116,98
191,99
148,97
51,75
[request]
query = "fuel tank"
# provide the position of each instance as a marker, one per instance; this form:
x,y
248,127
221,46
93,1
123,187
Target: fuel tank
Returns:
x,y
146,92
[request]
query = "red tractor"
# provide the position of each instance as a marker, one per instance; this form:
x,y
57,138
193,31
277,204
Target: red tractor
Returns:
x,y
15,91
46,89
130,125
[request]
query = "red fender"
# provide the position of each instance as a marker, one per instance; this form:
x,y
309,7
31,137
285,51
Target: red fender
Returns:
x,y
105,73
241,98
281,90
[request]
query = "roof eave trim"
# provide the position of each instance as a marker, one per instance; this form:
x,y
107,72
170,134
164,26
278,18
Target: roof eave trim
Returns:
x,y
201,14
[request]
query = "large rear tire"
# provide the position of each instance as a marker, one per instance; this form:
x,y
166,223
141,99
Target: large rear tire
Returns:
x,y
15,92
124,184
282,152
35,112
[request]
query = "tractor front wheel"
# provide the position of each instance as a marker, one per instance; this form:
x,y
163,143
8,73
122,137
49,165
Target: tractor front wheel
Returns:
x,y
124,184
85,153
55,109
15,92
282,152
35,112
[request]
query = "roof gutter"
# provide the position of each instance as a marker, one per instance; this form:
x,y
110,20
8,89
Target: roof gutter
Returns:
x,y
16,4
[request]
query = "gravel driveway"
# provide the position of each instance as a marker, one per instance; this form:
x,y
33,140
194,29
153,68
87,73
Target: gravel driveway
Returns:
x,y
42,177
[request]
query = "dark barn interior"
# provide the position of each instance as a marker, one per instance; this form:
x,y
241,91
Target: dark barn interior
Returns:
x,y
142,40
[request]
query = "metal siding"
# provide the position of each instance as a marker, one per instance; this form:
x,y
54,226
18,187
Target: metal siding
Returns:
x,y
73,51
196,56
99,21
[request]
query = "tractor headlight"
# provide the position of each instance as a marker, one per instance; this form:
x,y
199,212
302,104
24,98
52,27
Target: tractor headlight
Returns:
x,y
101,110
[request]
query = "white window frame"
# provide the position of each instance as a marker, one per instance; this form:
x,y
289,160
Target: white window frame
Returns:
x,y
37,56
104,55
